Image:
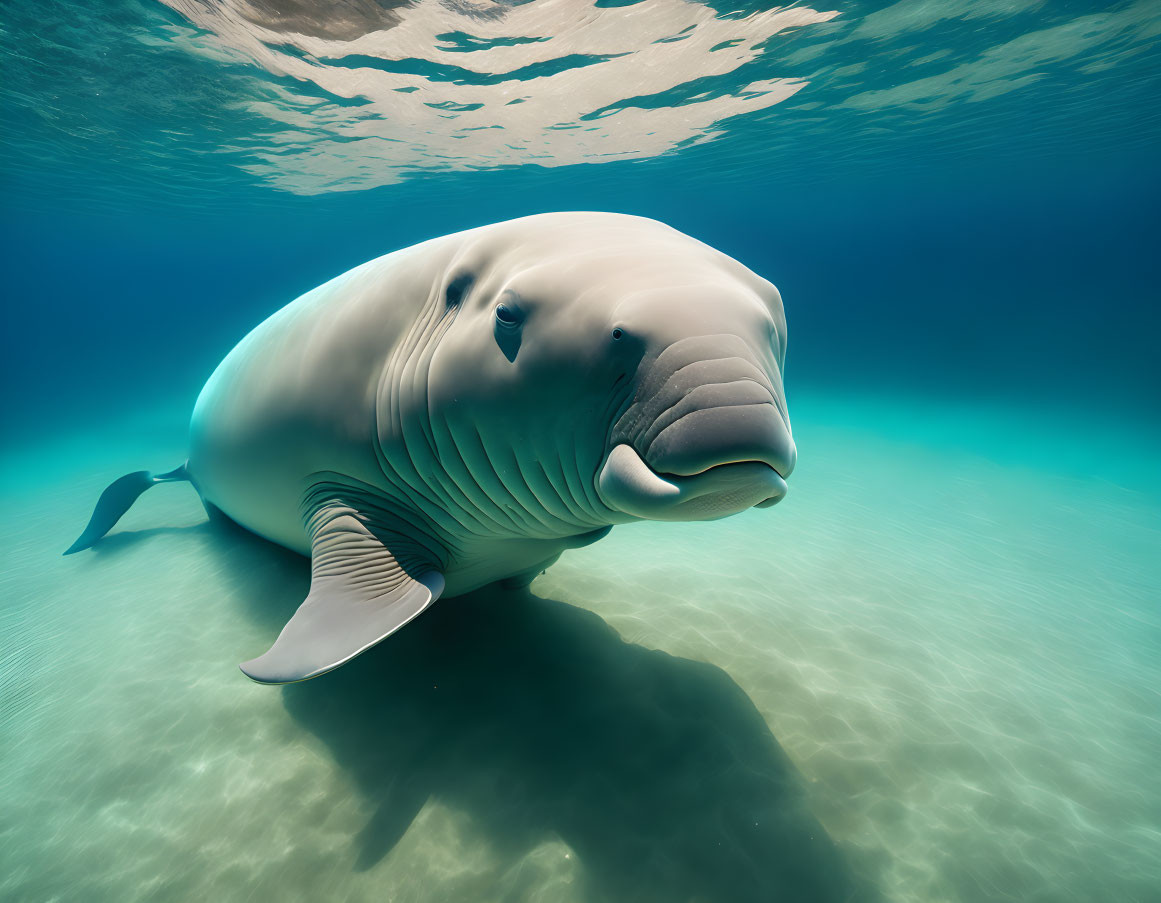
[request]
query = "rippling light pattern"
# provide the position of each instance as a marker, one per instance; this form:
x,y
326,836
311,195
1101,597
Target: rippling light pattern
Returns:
x,y
459,86
196,100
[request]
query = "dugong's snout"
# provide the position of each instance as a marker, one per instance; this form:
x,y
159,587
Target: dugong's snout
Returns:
x,y
741,428
707,435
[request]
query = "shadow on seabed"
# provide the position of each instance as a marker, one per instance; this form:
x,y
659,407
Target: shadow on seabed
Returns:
x,y
535,718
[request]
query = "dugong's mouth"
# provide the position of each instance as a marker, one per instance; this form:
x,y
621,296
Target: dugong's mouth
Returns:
x,y
626,483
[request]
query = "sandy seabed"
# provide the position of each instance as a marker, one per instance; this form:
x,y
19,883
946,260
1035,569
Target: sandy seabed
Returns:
x,y
931,674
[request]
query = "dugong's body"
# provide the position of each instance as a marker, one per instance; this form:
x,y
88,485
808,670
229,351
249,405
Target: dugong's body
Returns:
x,y
462,411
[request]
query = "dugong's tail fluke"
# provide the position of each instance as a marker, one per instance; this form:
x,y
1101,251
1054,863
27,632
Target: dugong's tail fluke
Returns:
x,y
118,498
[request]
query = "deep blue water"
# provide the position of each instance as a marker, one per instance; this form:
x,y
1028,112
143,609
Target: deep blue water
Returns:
x,y
961,205
994,234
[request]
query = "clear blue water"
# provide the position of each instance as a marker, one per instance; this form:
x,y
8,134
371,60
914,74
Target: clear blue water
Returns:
x,y
930,674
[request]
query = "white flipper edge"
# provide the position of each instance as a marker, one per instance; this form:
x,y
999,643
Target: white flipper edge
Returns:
x,y
359,596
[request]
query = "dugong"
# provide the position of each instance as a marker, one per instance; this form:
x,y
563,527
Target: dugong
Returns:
x,y
462,411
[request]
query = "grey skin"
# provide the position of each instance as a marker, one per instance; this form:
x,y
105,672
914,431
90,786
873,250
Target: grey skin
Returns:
x,y
462,411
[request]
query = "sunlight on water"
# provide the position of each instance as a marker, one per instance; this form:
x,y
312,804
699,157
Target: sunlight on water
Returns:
x,y
346,95
945,659
403,88
444,87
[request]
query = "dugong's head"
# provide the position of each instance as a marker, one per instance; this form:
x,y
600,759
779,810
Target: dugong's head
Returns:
x,y
607,368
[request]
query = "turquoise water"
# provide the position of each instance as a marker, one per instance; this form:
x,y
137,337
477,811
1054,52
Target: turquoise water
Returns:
x,y
945,660
930,674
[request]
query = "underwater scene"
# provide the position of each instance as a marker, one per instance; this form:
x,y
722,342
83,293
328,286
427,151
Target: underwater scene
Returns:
x,y
492,567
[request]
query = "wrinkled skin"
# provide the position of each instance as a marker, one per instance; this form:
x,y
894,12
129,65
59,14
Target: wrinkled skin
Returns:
x,y
488,399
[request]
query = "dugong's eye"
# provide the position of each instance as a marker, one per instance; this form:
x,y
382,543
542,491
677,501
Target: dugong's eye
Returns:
x,y
506,316
618,333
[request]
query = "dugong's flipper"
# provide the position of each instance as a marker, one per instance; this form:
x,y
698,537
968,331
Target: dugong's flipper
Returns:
x,y
359,595
118,498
